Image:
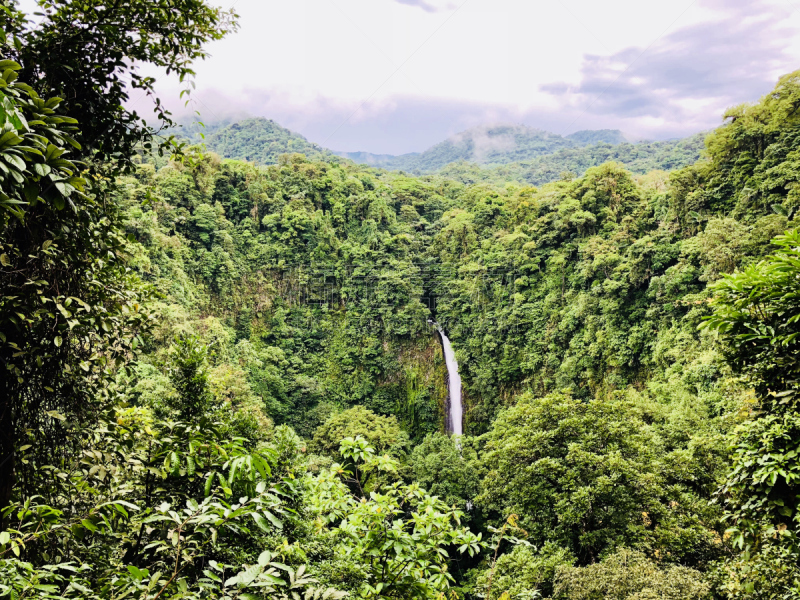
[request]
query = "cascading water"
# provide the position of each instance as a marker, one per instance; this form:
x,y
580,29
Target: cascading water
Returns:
x,y
454,384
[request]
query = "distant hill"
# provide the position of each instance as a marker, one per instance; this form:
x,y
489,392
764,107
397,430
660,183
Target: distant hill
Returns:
x,y
638,158
488,153
491,145
588,137
486,145
194,131
260,141
383,161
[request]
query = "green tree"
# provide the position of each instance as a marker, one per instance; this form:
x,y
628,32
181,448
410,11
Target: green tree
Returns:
x,y
629,575
399,534
173,509
757,313
580,474
70,308
448,469
189,373
382,433
88,52
525,572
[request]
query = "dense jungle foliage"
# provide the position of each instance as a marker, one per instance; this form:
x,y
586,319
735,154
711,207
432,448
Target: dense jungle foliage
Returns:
x,y
220,379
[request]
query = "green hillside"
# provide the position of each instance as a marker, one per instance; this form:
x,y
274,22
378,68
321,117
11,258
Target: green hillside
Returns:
x,y
588,137
480,154
488,145
533,156
385,161
638,158
481,145
260,141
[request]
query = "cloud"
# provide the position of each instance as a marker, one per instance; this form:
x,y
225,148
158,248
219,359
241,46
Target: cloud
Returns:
x,y
485,141
733,58
432,6
395,126
420,3
343,88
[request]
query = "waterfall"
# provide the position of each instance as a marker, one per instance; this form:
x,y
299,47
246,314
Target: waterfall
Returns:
x,y
454,384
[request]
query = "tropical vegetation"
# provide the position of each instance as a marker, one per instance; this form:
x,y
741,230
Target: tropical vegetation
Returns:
x,y
221,378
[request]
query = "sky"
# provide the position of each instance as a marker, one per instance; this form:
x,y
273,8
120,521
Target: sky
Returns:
x,y
394,76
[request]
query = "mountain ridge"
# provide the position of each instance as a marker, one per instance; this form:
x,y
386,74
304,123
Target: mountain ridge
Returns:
x,y
480,153
499,143
261,141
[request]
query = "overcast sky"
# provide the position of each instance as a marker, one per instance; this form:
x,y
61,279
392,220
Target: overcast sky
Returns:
x,y
400,75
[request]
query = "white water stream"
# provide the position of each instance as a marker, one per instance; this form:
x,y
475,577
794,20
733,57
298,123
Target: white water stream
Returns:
x,y
454,384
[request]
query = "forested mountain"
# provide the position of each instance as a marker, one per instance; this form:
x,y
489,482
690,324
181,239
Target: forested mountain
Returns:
x,y
639,158
526,155
386,161
588,137
221,379
487,145
484,145
260,141
493,155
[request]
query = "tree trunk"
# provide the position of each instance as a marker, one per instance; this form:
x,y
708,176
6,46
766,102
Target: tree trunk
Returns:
x,y
7,457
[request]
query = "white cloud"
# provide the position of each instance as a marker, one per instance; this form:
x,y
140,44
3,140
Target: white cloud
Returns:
x,y
339,71
431,5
